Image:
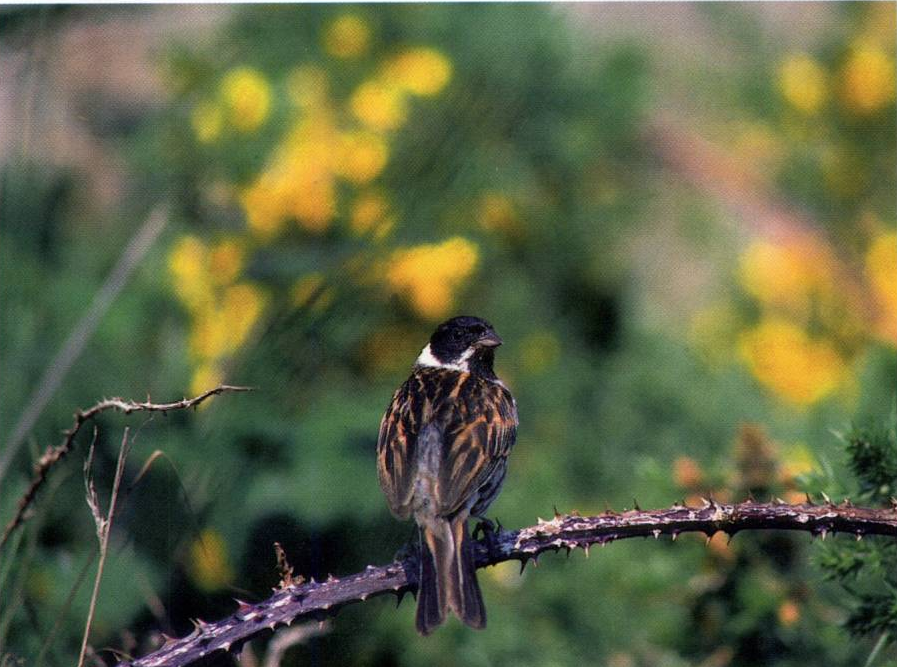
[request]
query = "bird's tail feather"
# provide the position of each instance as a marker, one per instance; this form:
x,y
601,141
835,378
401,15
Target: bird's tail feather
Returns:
x,y
448,578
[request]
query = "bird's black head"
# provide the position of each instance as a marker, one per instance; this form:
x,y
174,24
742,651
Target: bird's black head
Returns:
x,y
462,343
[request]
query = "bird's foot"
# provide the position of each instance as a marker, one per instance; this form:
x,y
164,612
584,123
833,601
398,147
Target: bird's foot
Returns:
x,y
489,529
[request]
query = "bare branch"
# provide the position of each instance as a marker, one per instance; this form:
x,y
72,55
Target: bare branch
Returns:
x,y
54,455
316,600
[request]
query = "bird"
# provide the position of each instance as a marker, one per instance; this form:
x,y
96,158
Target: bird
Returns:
x,y
442,454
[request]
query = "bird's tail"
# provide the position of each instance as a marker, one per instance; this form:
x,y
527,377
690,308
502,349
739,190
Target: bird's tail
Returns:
x,y
448,578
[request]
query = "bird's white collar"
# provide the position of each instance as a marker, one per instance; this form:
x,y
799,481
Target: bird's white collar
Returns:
x,y
426,358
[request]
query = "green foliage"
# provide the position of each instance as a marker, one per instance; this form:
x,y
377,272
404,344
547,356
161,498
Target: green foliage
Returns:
x,y
867,570
592,258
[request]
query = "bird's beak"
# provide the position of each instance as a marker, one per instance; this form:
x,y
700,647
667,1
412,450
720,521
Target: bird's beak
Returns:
x,y
489,339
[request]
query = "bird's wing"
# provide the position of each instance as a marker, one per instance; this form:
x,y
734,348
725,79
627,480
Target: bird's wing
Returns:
x,y
397,446
479,429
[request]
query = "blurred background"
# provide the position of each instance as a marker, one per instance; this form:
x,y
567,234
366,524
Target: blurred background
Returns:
x,y
680,217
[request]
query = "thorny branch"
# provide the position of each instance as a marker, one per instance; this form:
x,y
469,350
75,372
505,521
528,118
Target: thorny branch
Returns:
x,y
316,600
54,455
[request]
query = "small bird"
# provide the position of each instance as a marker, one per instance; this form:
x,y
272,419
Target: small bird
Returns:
x,y
441,457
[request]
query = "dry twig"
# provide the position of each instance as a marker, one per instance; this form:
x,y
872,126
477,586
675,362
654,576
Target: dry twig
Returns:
x,y
316,600
55,454
103,523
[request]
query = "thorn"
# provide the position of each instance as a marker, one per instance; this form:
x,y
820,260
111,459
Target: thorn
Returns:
x,y
823,532
729,538
575,513
751,498
567,547
225,645
656,532
331,579
828,501
557,515
707,502
674,535
778,501
522,565
809,500
847,503
859,535
535,560
321,625
363,597
635,505
586,547
707,539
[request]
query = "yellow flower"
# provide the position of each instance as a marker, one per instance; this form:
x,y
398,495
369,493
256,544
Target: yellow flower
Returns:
x,y
369,215
784,359
347,37
207,120
802,82
225,261
190,278
247,96
420,71
208,564
427,275
881,270
267,202
361,156
299,182
380,106
785,275
241,307
868,80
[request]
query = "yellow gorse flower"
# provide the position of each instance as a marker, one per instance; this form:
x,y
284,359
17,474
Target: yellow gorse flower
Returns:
x,y
786,360
785,275
222,310
246,95
419,71
803,83
299,181
868,79
347,37
881,271
208,564
370,215
361,156
428,275
380,105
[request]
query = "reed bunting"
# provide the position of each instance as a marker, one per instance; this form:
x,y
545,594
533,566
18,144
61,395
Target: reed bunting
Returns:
x,y
441,457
